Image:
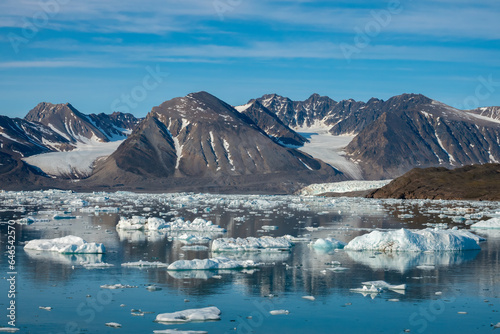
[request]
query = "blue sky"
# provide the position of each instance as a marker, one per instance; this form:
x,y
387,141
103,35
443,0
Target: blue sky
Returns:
x,y
98,55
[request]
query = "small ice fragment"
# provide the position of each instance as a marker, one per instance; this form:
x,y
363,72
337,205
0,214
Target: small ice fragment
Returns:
x,y
46,308
153,288
8,329
113,324
462,312
308,297
200,314
269,227
495,326
122,305
117,286
145,264
393,300
279,312
438,293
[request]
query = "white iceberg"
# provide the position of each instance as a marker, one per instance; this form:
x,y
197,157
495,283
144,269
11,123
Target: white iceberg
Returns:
x,y
404,240
211,264
66,245
251,244
200,314
493,223
113,324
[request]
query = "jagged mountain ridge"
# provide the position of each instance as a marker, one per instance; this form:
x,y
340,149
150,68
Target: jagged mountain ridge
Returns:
x,y
344,117
271,124
200,137
392,136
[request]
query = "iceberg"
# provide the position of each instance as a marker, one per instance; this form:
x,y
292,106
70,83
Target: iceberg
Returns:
x,y
251,244
201,314
65,245
404,240
327,244
211,264
493,223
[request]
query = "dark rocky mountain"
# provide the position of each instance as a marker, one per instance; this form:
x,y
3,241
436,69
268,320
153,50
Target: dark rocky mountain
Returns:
x,y
52,128
116,125
476,182
199,140
344,117
21,138
396,135
67,121
271,124
419,132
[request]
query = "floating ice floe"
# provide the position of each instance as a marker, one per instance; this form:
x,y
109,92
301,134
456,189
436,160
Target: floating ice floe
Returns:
x,y
194,248
404,240
46,308
309,298
113,324
117,286
211,264
251,244
157,224
66,245
200,314
327,244
8,329
384,285
493,223
371,291
279,312
145,264
96,265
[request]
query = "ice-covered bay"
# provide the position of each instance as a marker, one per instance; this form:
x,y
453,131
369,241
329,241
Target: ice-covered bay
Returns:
x,y
279,233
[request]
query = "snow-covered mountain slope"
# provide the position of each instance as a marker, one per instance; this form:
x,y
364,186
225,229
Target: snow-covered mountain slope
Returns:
x,y
488,112
77,163
322,145
49,132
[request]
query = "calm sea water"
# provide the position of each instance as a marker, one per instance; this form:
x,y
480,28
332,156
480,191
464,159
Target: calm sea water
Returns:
x,y
449,292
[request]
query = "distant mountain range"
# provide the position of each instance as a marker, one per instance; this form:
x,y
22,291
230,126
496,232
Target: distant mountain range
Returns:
x,y
270,144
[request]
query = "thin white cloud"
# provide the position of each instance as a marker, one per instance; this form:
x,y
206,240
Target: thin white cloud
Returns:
x,y
51,64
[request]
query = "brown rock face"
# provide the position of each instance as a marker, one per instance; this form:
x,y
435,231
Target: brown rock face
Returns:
x,y
199,138
475,182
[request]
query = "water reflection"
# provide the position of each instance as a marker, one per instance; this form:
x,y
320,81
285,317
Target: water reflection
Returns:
x,y
404,261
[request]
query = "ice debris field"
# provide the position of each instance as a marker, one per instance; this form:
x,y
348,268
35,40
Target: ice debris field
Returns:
x,y
201,237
